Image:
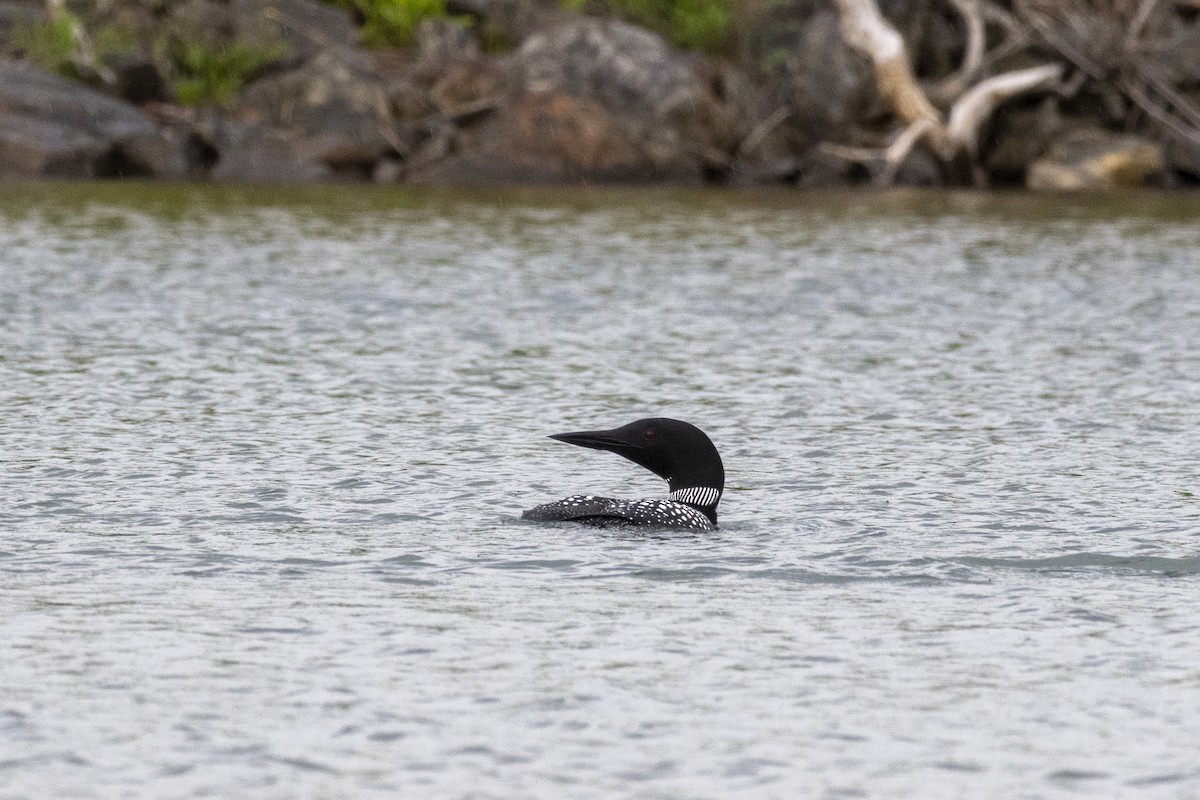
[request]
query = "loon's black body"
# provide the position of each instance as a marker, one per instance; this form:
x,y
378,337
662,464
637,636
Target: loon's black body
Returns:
x,y
676,451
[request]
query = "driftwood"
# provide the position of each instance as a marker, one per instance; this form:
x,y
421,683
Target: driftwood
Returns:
x,y
971,106
972,65
1125,56
1111,45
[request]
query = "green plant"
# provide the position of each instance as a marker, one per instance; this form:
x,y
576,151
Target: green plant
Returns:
x,y
65,44
214,73
702,24
689,24
114,40
394,22
50,44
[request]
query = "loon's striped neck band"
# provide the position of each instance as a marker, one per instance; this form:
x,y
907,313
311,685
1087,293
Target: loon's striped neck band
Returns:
x,y
702,496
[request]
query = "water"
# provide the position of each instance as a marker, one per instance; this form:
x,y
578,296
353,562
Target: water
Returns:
x,y
264,456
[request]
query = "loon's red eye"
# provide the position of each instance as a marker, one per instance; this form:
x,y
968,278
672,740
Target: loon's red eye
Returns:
x,y
649,434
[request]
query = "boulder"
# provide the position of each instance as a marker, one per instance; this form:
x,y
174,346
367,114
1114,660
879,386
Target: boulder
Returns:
x,y
823,86
256,153
1183,153
615,64
1091,158
31,147
592,100
827,85
1019,135
335,102
1184,157
51,127
305,27
167,154
921,168
26,89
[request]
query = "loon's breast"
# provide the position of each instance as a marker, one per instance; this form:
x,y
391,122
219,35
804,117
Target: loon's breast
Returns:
x,y
607,512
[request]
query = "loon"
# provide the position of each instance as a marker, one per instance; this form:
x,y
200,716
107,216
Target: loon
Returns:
x,y
676,451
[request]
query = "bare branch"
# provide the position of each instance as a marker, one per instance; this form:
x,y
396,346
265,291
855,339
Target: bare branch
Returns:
x,y
994,13
1071,86
1038,21
762,130
1183,106
855,155
975,107
972,12
866,30
1138,95
954,85
1138,24
898,150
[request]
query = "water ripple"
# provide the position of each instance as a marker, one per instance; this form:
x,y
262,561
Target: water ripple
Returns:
x,y
265,454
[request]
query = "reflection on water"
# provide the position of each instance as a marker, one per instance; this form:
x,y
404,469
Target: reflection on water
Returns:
x,y
265,454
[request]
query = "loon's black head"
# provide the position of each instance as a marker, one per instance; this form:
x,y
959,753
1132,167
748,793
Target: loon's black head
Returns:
x,y
676,451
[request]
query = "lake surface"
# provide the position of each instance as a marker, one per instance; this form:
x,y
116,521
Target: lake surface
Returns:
x,y
265,453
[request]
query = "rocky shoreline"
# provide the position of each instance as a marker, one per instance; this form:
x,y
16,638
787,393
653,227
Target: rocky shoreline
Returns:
x,y
572,98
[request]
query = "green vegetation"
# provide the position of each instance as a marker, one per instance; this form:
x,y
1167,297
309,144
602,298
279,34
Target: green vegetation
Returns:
x,y
706,25
66,45
393,23
112,40
201,69
213,73
703,24
50,44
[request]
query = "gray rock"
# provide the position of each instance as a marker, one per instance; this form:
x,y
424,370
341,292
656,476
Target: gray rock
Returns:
x,y
257,153
592,100
615,64
825,86
51,127
1184,156
441,41
28,90
165,154
208,21
285,33
921,168
334,101
39,148
306,27
1020,136
828,86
